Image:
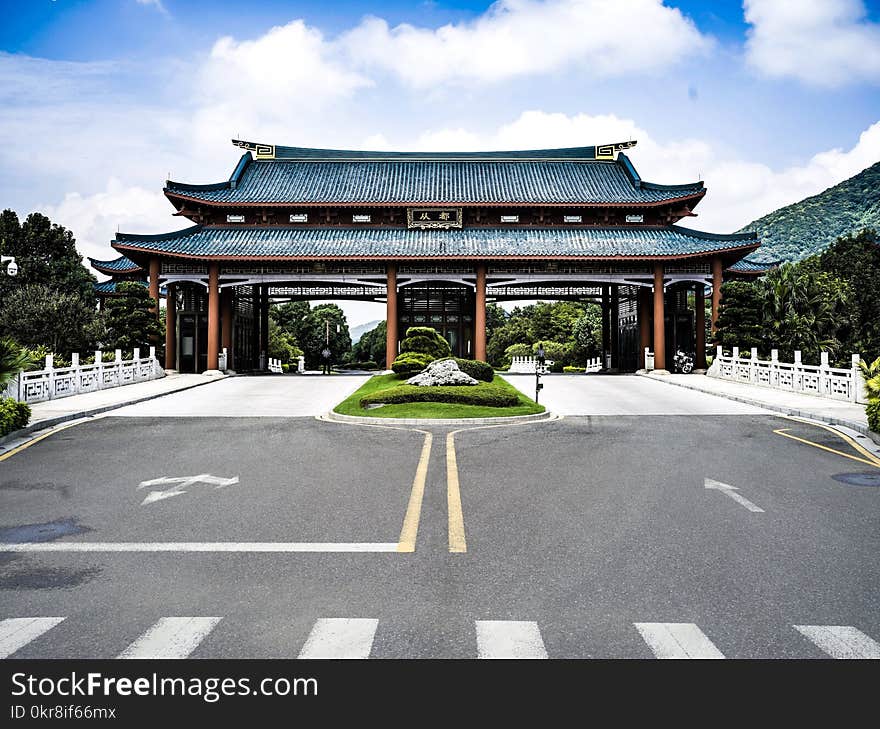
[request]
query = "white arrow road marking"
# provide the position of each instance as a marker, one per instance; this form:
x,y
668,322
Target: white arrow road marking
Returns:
x,y
730,491
340,638
841,641
677,640
16,633
180,483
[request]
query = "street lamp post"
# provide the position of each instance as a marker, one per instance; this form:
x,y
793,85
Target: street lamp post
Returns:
x,y
539,368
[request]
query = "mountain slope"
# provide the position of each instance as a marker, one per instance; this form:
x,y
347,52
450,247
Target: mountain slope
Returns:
x,y
357,332
807,227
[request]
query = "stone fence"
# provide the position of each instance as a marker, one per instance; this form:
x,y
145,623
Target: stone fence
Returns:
x,y
526,365
821,380
52,382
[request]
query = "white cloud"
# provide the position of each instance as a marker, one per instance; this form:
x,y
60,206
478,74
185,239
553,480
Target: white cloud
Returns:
x,y
528,37
94,219
825,43
739,191
155,4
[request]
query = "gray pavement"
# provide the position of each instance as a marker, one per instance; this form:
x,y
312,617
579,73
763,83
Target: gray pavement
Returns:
x,y
586,537
623,395
262,396
811,406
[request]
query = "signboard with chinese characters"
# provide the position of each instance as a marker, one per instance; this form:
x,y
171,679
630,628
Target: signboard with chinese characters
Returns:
x,y
433,217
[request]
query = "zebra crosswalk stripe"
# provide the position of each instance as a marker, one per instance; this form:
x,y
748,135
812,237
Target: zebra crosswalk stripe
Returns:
x,y
841,641
171,638
509,639
340,638
16,633
677,640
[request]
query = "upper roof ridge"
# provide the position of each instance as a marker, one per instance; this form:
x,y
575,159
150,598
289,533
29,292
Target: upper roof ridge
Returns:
x,y
601,152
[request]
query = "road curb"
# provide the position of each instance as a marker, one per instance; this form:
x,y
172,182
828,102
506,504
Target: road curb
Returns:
x,y
830,420
502,420
59,419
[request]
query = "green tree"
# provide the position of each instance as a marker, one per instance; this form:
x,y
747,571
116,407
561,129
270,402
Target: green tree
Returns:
x,y
36,315
13,359
46,254
371,346
804,309
291,317
587,334
740,315
856,260
324,320
282,346
129,320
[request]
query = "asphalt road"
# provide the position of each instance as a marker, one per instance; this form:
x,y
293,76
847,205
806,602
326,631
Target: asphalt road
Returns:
x,y
593,534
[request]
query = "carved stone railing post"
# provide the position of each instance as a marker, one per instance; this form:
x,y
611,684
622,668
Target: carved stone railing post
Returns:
x,y
753,366
824,374
774,368
857,395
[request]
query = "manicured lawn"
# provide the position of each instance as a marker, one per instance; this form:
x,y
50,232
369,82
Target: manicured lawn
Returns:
x,y
351,405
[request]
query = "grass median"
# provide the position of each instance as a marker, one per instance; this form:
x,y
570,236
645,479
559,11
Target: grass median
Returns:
x,y
391,387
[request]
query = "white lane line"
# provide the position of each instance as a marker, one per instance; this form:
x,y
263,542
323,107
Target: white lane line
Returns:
x,y
16,633
171,638
677,640
841,641
200,547
730,491
340,638
509,639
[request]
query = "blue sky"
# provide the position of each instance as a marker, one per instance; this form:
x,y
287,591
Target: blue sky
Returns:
x,y
768,101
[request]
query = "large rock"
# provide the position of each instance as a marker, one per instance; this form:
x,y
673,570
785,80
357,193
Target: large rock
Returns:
x,y
442,372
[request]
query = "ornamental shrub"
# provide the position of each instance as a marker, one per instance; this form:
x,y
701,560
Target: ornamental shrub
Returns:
x,y
574,370
873,411
426,341
485,394
14,415
477,369
411,363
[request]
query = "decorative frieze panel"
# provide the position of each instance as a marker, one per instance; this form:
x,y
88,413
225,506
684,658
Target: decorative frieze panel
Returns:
x,y
328,292
175,267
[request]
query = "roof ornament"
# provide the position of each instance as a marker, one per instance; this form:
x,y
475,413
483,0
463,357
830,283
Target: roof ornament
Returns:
x,y
607,151
261,151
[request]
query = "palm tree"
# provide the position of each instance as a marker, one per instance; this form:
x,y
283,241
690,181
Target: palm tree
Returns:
x,y
13,359
871,375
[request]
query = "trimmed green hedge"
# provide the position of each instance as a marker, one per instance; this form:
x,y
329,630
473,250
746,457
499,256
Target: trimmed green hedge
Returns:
x,y
411,363
14,415
873,411
476,368
574,370
483,394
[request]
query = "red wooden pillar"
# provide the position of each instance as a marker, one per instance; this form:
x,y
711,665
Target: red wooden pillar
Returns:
x,y
226,324
391,315
213,315
659,327
154,285
716,291
171,328
644,323
700,324
480,315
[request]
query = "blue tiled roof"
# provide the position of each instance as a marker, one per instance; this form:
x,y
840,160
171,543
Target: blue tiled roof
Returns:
x,y
294,242
109,287
757,267
436,180
117,265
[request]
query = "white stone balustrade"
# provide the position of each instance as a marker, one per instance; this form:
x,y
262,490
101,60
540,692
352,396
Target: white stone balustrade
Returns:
x,y
275,366
53,382
821,380
526,365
